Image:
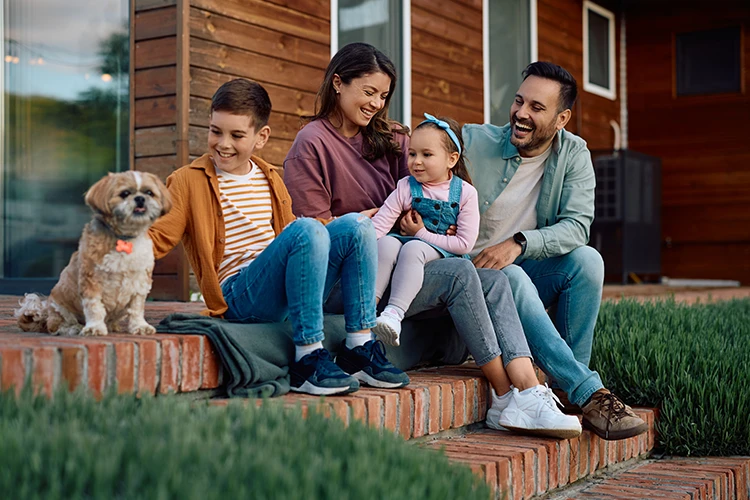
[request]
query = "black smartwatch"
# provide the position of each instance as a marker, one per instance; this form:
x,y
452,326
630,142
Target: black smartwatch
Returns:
x,y
521,240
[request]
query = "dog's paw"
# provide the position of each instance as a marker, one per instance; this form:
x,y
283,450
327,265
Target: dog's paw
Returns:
x,y
143,330
94,330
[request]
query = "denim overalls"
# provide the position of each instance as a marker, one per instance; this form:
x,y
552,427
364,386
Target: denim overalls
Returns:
x,y
437,215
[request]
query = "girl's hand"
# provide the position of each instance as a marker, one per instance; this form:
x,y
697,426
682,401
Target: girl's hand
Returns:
x,y
370,213
411,223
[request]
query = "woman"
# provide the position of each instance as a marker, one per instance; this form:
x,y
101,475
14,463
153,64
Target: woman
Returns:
x,y
348,158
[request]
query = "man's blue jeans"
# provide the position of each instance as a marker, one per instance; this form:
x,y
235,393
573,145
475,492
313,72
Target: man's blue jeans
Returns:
x,y
571,286
294,275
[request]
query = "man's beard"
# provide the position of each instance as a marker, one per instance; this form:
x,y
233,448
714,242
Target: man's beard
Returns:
x,y
539,135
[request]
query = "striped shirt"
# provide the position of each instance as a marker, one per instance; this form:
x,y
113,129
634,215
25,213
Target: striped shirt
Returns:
x,y
246,206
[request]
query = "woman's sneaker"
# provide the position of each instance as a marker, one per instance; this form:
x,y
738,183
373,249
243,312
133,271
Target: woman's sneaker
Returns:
x,y
368,364
388,328
317,374
534,411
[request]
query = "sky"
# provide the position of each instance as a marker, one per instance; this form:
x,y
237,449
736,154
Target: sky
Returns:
x,y
56,43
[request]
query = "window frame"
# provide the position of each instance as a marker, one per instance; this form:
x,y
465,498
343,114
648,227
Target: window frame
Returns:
x,y
533,51
404,76
593,88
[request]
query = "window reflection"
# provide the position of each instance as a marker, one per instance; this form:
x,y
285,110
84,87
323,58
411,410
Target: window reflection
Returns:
x,y
65,123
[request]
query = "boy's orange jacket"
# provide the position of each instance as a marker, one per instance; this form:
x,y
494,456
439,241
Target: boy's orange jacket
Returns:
x,y
196,220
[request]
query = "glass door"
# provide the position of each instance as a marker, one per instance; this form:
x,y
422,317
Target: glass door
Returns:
x,y
64,125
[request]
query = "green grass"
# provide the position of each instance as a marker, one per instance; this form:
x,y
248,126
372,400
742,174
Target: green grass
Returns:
x,y
692,362
124,447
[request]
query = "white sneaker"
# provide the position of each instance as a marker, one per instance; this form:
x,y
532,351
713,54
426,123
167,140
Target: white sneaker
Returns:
x,y
535,411
388,328
493,414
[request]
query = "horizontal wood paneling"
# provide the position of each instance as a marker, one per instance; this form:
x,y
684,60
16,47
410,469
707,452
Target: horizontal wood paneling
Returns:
x,y
313,7
160,166
560,40
155,23
216,57
233,33
157,52
141,5
702,141
203,83
155,141
271,16
155,111
447,63
155,82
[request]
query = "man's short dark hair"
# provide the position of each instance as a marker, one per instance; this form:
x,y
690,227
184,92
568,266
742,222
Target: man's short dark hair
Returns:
x,y
550,71
243,97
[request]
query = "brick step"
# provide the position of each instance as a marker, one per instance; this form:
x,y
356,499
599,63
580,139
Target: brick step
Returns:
x,y
707,478
521,467
156,364
436,400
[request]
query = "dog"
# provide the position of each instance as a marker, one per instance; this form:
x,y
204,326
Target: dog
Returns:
x,y
108,278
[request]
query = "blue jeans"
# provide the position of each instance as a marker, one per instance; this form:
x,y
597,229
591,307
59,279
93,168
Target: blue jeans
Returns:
x,y
571,286
294,275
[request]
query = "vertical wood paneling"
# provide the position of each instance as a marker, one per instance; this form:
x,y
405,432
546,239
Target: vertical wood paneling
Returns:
x,y
702,141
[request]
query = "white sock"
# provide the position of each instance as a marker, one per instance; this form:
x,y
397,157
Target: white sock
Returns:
x,y
395,311
355,339
300,351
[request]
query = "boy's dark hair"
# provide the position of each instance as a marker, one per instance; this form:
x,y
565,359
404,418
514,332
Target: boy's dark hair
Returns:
x,y
354,61
551,71
459,169
243,97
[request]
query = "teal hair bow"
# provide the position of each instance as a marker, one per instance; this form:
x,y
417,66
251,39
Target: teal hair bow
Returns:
x,y
443,125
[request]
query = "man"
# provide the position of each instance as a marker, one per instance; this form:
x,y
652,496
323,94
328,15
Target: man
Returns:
x,y
536,196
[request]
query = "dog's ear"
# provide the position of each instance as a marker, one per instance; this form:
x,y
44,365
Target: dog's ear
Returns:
x,y
97,197
164,196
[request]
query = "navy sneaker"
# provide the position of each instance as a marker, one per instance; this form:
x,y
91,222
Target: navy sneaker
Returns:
x,y
368,364
317,374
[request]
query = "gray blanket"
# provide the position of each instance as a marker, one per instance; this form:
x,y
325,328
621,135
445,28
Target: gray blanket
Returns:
x,y
255,357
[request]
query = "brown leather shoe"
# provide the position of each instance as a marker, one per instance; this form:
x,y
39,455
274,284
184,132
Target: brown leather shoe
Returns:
x,y
609,418
565,405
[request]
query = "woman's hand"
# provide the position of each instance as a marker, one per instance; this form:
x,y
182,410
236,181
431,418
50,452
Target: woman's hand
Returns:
x,y
370,213
411,223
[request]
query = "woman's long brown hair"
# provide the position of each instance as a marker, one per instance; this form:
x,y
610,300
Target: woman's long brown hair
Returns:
x,y
354,61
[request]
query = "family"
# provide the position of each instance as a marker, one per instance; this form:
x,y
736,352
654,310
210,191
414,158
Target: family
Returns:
x,y
486,224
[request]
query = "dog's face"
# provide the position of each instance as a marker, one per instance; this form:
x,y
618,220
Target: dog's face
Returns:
x,y
129,201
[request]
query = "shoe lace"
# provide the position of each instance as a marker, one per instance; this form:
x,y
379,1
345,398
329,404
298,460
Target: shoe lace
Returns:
x,y
610,404
377,352
322,361
550,398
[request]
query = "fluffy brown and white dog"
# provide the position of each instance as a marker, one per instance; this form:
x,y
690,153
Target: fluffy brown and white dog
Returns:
x,y
108,278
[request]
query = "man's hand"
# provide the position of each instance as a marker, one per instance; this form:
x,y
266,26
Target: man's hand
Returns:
x,y
498,256
411,223
370,213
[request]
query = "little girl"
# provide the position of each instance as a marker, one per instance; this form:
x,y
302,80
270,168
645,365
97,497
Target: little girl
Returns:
x,y
438,194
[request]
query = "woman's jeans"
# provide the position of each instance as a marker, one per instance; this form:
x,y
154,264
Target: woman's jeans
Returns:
x,y
294,275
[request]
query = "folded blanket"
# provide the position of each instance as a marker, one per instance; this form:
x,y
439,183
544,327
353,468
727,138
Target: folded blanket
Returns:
x,y
255,357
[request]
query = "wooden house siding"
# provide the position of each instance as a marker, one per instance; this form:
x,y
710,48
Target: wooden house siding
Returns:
x,y
447,71
560,40
702,141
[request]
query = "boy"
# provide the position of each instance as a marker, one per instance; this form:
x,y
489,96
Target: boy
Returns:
x,y
255,263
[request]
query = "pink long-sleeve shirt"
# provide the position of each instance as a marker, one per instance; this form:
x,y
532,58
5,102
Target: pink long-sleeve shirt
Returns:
x,y
467,225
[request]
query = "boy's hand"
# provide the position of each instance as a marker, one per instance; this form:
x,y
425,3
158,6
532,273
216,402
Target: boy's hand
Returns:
x,y
370,213
411,223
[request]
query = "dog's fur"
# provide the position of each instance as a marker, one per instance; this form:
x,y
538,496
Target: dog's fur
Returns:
x,y
102,286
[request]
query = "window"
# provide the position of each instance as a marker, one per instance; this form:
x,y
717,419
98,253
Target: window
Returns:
x,y
708,62
598,50
385,24
509,46
64,125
